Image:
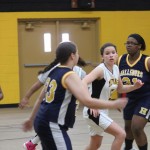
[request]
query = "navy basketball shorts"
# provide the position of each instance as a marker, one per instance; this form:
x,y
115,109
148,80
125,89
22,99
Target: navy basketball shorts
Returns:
x,y
139,106
52,136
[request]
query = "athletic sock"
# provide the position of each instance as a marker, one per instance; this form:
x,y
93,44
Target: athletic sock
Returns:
x,y
128,144
35,140
143,147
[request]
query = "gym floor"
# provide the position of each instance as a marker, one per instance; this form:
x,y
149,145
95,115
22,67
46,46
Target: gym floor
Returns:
x,y
12,137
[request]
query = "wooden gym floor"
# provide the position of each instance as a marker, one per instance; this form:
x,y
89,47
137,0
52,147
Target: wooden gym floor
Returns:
x,y
12,137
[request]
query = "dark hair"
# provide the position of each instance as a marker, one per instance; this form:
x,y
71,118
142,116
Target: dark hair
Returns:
x,y
63,52
47,68
106,45
81,62
139,39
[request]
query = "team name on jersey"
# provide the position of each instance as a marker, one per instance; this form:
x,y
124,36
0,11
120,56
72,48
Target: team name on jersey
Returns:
x,y
131,72
112,81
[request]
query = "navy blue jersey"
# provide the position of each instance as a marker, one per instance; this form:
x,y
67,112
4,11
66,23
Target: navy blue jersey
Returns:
x,y
59,104
131,72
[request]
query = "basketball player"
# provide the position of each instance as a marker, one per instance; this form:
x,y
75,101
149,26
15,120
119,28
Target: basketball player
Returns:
x,y
108,79
133,66
31,144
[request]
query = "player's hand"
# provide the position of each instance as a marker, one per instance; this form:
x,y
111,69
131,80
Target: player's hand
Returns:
x,y
138,84
94,112
24,103
27,125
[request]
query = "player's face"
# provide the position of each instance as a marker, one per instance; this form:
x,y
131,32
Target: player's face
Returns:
x,y
110,55
132,45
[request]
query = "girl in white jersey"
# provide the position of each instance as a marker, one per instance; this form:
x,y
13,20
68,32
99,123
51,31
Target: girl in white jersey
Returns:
x,y
107,74
31,145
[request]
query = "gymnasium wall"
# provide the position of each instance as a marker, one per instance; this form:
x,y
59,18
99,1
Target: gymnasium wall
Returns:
x,y
65,5
115,26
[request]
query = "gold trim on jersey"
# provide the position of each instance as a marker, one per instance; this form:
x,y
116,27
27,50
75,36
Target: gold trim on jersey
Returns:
x,y
64,77
118,62
146,64
131,65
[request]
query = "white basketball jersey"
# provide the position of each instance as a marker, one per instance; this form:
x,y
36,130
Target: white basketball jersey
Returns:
x,y
110,81
108,84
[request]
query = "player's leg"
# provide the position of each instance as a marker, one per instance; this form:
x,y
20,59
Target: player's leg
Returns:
x,y
138,124
119,134
128,113
95,142
95,131
129,136
140,118
52,136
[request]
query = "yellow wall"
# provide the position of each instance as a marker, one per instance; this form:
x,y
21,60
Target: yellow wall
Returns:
x,y
115,26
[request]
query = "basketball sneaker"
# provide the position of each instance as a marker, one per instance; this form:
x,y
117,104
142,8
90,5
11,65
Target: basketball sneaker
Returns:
x,y
29,146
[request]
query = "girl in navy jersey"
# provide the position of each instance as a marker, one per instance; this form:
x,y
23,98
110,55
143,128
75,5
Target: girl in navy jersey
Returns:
x,y
54,110
106,79
133,66
32,143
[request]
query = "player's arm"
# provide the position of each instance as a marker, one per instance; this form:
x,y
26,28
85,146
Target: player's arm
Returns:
x,y
148,64
30,92
96,73
27,125
80,91
128,88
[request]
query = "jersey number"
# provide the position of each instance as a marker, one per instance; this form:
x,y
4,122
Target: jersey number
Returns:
x,y
127,81
52,85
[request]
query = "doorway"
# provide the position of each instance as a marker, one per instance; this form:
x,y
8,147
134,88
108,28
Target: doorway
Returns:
x,y
32,58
